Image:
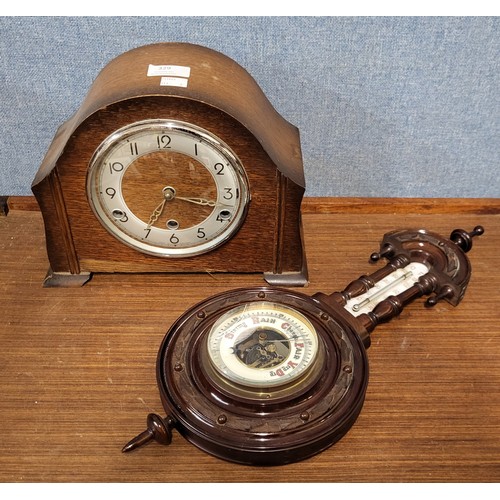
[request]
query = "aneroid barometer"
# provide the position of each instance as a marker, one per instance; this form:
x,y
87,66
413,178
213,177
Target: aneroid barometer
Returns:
x,y
269,376
175,162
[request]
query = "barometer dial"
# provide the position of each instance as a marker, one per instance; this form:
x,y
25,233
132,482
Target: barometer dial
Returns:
x,y
262,345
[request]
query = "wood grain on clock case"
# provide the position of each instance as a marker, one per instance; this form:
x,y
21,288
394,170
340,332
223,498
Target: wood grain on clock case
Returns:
x,y
221,97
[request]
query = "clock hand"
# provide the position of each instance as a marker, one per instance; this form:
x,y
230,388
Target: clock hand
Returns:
x,y
168,195
198,201
156,213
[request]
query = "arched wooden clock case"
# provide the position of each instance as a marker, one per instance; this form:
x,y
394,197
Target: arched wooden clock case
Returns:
x,y
269,376
213,94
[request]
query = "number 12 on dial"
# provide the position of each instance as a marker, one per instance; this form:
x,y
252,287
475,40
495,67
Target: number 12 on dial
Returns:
x,y
168,188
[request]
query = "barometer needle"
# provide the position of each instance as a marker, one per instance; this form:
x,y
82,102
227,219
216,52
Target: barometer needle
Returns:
x,y
291,339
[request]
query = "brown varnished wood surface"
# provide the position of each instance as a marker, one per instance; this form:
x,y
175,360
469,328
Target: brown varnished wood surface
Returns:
x,y
214,79
77,365
79,243
219,96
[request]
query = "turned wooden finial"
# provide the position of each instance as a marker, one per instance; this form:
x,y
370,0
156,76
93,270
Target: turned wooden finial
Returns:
x,y
464,239
158,429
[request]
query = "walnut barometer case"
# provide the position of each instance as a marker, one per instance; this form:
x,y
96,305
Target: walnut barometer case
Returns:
x,y
175,162
269,376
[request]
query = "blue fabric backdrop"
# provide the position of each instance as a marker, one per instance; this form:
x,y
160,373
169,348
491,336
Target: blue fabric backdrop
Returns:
x,y
398,107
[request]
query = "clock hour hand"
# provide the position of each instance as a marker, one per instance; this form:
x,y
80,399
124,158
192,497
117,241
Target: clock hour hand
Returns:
x,y
156,213
168,195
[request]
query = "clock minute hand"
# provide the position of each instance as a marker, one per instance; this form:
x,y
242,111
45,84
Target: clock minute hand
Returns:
x,y
198,201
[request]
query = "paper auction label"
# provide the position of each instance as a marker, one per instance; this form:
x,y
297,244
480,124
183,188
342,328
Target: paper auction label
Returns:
x,y
169,70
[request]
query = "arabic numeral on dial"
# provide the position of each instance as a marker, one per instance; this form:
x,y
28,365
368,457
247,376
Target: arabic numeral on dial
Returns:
x,y
148,232
229,193
115,166
134,150
219,168
201,233
110,192
174,240
163,141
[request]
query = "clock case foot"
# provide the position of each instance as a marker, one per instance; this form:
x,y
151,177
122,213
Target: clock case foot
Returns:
x,y
65,280
289,279
68,280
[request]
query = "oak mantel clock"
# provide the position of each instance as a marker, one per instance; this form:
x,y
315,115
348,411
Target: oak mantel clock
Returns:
x,y
175,162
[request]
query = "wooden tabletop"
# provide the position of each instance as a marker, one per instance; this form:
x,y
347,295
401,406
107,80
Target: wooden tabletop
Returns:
x,y
77,365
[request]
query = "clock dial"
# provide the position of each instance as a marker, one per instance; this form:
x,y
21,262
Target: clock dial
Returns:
x,y
168,188
262,345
